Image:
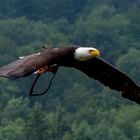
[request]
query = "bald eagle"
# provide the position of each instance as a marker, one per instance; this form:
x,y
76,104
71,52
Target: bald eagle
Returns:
x,y
86,59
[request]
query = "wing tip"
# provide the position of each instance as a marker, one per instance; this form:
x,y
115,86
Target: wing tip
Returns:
x,y
132,92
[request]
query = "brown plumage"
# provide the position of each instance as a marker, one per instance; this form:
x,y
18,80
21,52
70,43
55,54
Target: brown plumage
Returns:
x,y
79,58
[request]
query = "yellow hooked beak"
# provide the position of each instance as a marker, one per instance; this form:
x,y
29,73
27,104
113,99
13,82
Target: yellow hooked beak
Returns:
x,y
95,52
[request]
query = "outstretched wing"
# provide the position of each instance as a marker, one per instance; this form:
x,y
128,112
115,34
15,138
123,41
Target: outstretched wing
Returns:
x,y
21,67
110,76
31,63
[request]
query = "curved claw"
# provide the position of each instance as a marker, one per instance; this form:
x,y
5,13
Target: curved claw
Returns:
x,y
52,68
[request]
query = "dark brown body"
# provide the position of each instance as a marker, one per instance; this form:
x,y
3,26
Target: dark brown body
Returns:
x,y
96,68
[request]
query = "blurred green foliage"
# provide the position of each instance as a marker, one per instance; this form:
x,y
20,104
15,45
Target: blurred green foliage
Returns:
x,y
76,107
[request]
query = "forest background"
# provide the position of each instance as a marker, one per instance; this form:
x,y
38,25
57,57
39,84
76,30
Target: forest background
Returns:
x,y
76,107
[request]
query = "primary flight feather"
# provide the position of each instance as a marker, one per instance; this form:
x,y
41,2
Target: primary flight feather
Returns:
x,y
86,59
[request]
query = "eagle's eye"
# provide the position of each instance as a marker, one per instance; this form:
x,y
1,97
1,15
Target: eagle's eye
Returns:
x,y
91,50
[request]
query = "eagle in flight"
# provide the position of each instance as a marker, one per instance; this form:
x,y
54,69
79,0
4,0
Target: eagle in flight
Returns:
x,y
86,59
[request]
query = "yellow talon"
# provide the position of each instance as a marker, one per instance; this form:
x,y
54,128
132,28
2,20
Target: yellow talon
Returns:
x,y
47,68
42,70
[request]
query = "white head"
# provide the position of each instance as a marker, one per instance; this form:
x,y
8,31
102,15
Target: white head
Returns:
x,y
85,53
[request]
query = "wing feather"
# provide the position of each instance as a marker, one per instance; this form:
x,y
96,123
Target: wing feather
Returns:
x,y
20,68
110,76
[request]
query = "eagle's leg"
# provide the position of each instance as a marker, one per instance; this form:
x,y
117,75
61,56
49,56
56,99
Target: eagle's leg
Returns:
x,y
52,68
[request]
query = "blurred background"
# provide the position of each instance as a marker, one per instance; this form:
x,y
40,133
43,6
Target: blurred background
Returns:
x,y
76,107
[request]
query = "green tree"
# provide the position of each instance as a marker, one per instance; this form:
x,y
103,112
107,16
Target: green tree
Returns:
x,y
34,124
129,63
13,130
